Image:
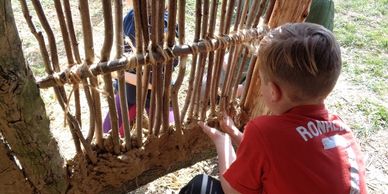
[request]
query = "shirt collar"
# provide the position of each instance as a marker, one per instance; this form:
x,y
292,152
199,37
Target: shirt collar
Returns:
x,y
311,109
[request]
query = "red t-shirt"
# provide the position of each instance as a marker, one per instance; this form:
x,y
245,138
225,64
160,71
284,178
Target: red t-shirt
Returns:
x,y
305,150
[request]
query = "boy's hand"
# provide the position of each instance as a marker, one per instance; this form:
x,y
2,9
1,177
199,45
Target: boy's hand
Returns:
x,y
215,135
227,125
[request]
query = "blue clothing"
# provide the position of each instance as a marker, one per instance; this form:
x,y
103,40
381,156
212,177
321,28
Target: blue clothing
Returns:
x,y
129,30
129,25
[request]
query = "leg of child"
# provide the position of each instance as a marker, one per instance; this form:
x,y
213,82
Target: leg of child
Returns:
x,y
202,183
107,125
132,116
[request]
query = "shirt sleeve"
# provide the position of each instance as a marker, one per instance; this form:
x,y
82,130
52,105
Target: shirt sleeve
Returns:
x,y
244,174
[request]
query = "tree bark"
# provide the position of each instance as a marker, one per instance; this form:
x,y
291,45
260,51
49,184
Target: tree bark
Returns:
x,y
23,121
12,179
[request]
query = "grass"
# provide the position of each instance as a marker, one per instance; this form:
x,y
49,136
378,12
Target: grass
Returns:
x,y
376,114
361,27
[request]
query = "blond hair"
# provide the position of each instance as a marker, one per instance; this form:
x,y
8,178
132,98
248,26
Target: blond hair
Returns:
x,y
305,58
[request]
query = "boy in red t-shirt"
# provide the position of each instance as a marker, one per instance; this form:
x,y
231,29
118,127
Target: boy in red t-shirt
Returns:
x,y
301,147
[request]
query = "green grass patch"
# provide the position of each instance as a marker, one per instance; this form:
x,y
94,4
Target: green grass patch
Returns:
x,y
361,27
377,66
376,113
360,23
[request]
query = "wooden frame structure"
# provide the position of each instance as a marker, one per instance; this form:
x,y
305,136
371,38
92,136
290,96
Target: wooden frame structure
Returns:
x,y
228,26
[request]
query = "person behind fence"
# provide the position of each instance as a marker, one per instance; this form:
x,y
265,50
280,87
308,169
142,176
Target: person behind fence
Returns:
x,y
301,147
130,76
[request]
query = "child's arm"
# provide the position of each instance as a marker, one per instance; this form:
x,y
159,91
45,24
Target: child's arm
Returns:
x,y
227,125
225,151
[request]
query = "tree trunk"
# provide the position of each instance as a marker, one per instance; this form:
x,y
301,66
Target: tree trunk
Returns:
x,y
23,121
11,176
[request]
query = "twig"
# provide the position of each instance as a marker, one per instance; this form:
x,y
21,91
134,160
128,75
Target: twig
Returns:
x,y
172,12
139,50
77,57
182,67
146,38
239,74
212,23
190,98
252,13
251,66
69,54
268,13
118,6
259,13
105,55
200,106
156,80
89,58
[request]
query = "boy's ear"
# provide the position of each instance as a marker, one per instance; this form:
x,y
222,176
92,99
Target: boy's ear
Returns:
x,y
276,92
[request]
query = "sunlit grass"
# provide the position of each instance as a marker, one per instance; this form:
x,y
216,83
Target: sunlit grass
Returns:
x,y
361,27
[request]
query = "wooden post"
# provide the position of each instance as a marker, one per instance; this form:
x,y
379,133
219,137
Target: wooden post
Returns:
x,y
283,12
289,11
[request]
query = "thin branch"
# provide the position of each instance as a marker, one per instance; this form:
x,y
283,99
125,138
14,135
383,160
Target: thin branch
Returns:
x,y
244,14
201,103
212,23
190,98
252,13
119,52
105,55
65,33
247,84
237,79
240,15
139,50
50,35
89,58
70,27
269,10
157,86
260,12
233,75
171,24
217,43
69,55
147,70
77,56
160,67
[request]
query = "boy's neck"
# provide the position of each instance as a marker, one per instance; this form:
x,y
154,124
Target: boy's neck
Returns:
x,y
287,104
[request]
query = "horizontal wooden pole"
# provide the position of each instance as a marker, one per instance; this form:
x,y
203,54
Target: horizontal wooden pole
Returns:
x,y
81,71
